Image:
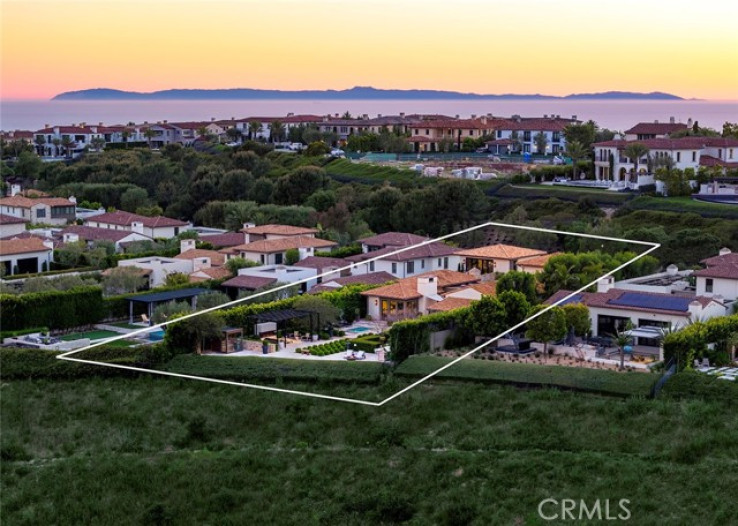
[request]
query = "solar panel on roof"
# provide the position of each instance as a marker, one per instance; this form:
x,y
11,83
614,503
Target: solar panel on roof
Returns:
x,y
647,301
577,298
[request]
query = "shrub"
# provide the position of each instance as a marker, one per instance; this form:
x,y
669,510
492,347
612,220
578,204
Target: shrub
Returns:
x,y
54,309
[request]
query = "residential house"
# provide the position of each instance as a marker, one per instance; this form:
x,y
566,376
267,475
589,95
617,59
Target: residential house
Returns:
x,y
225,240
410,297
464,296
533,264
11,225
276,274
655,130
269,232
55,141
157,268
274,251
206,264
26,255
410,261
90,235
327,267
46,210
496,258
720,277
430,135
610,310
390,239
522,132
154,227
612,164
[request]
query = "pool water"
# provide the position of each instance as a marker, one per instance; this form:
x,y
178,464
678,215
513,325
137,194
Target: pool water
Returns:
x,y
358,329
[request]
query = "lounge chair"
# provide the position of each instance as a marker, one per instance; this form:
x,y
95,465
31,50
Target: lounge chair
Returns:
x,y
360,355
350,355
705,362
145,319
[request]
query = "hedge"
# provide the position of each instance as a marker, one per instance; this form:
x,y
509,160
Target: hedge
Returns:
x,y
413,336
690,343
22,332
53,309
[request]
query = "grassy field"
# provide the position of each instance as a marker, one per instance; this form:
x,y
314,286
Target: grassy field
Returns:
x,y
568,193
168,451
684,204
346,171
598,381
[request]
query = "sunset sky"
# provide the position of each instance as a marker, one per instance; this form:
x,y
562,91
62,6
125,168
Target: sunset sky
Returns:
x,y
555,47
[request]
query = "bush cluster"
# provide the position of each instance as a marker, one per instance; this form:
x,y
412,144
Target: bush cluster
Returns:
x,y
54,309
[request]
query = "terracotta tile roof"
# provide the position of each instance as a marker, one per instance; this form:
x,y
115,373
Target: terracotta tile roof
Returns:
x,y
724,270
407,288
731,258
605,300
537,261
11,220
211,273
127,218
431,250
486,288
269,246
500,142
249,282
90,233
216,258
229,239
280,230
372,278
709,160
393,239
500,251
26,202
86,130
682,143
140,271
420,138
448,304
655,128
22,246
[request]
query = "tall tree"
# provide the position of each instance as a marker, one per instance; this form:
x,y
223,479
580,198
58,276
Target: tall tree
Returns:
x,y
254,129
549,326
40,141
67,143
149,133
541,142
276,131
576,151
634,151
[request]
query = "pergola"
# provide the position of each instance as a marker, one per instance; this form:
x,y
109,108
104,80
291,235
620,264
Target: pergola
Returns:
x,y
281,317
154,298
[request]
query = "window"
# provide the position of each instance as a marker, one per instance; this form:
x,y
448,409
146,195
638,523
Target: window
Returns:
x,y
410,267
445,263
679,157
422,263
371,266
439,262
526,136
176,230
263,259
708,285
278,258
427,132
40,212
731,154
499,134
344,129
415,132
694,157
555,137
394,268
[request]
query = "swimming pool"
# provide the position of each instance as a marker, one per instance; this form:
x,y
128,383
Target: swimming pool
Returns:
x,y
358,329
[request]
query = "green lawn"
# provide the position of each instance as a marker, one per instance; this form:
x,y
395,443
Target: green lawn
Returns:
x,y
567,193
167,451
684,204
598,381
92,335
126,325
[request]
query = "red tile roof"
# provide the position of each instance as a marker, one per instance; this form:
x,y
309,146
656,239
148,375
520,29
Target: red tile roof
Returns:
x,y
655,128
448,304
216,258
431,250
533,124
249,282
280,230
86,130
709,160
11,220
602,300
319,263
500,251
682,143
89,233
731,258
22,246
126,219
269,246
27,202
393,239
727,270
407,288
228,239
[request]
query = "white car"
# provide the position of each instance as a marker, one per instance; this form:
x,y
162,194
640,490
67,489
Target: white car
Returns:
x,y
337,152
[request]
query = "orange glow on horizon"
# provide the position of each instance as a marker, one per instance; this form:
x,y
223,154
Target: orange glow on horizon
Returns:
x,y
569,46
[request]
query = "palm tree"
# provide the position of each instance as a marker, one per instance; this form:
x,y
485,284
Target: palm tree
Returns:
x,y
57,143
276,131
623,339
149,134
515,139
634,151
67,144
40,141
576,151
254,128
541,142
234,134
125,134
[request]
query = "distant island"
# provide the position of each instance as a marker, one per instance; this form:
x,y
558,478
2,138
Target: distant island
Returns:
x,y
358,92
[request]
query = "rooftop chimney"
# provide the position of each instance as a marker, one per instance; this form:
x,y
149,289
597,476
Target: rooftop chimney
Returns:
x,y
186,244
573,117
428,286
365,116
47,125
671,120
672,270
336,115
473,115
605,284
689,122
545,115
69,237
379,115
48,243
695,309
655,121
402,115
457,115
724,251
212,119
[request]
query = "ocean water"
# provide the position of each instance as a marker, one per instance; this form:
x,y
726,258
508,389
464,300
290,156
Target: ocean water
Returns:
x,y
616,115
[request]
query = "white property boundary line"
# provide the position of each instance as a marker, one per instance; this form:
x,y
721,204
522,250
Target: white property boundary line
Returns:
x,y
67,355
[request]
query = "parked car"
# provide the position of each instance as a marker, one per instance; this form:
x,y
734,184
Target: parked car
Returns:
x,y
337,152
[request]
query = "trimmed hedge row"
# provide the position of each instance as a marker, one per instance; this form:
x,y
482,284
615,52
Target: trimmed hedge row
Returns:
x,y
413,336
690,343
53,309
